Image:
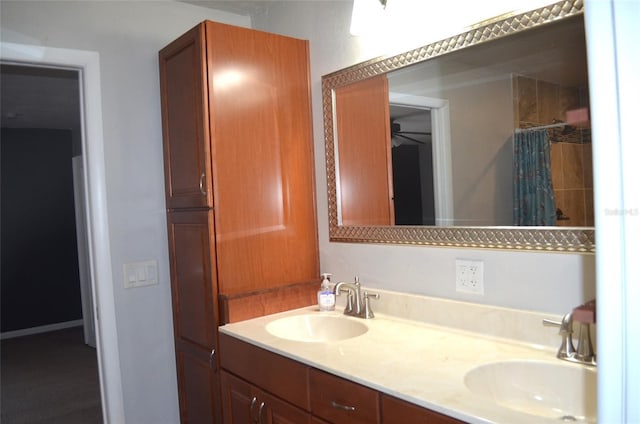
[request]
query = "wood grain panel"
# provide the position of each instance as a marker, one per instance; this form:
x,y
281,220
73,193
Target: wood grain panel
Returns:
x,y
328,391
263,159
193,277
243,306
236,400
280,412
245,403
365,186
398,411
266,370
199,389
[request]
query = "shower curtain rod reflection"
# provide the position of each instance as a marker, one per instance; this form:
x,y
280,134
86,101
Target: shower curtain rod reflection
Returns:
x,y
542,127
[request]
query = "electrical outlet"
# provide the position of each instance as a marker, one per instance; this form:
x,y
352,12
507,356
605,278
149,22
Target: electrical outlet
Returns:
x,y
469,276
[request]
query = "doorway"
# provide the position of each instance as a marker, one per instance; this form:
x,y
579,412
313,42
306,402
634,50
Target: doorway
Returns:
x,y
88,65
43,216
46,288
436,112
412,165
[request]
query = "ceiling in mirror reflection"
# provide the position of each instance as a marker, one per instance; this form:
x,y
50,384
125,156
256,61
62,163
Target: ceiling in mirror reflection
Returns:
x,y
489,84
524,80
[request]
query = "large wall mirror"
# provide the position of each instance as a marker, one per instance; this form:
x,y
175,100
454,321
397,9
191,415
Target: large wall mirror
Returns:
x,y
478,140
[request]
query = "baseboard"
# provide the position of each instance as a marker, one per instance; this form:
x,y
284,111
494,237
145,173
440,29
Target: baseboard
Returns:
x,y
41,329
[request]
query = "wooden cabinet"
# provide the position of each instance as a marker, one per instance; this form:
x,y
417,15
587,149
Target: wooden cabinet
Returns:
x,y
261,385
238,138
398,411
239,180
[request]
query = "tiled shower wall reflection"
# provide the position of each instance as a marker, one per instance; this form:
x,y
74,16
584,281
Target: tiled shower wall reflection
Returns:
x,y
539,102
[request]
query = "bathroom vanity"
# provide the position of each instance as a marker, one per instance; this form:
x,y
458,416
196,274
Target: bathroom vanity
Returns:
x,y
490,365
255,380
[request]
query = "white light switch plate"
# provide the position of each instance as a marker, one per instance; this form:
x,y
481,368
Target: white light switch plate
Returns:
x,y
470,276
139,274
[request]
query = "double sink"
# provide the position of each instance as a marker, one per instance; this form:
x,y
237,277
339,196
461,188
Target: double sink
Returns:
x,y
543,388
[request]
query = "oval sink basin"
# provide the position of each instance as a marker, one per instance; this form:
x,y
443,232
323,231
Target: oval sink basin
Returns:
x,y
316,328
545,389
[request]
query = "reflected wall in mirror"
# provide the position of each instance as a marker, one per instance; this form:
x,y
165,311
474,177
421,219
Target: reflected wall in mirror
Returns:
x,y
421,147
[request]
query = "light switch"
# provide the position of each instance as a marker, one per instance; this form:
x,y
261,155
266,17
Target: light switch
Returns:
x,y
138,274
151,271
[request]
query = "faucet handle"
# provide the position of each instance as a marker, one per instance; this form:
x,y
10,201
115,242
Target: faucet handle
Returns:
x,y
349,306
566,325
368,313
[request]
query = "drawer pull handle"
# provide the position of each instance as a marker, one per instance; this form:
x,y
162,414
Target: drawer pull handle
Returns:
x,y
212,359
251,409
343,407
201,185
260,411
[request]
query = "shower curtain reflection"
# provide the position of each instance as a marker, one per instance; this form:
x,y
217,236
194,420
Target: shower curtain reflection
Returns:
x,y
533,199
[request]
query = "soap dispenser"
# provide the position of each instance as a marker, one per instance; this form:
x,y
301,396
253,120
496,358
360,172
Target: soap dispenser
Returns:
x,y
326,297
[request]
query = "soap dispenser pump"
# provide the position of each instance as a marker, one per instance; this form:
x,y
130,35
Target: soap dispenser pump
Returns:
x,y
326,297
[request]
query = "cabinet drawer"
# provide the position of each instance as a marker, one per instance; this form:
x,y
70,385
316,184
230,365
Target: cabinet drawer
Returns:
x,y
340,401
398,411
276,374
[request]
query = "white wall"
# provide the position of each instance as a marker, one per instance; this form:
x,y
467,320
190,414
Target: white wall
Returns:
x,y
536,281
481,131
127,36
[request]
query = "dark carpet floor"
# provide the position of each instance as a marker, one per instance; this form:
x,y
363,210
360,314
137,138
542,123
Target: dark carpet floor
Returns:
x,y
49,378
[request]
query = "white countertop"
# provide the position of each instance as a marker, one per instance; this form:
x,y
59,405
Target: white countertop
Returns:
x,y
416,361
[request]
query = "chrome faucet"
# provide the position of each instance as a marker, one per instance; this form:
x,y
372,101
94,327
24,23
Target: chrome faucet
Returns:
x,y
566,351
585,315
357,303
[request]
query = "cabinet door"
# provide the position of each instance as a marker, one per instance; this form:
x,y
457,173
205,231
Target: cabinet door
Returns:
x,y
185,122
277,411
398,411
193,289
262,159
238,401
365,187
198,389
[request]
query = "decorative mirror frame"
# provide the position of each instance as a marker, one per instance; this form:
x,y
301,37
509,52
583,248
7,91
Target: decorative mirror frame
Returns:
x,y
553,239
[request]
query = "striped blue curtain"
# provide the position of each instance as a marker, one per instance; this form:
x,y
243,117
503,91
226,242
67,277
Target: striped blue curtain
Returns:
x,y
533,199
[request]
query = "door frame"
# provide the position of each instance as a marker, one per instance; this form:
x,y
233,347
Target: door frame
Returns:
x,y
88,65
441,144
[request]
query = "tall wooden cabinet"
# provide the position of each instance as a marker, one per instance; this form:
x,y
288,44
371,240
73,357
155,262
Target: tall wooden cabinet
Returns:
x,y
240,190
